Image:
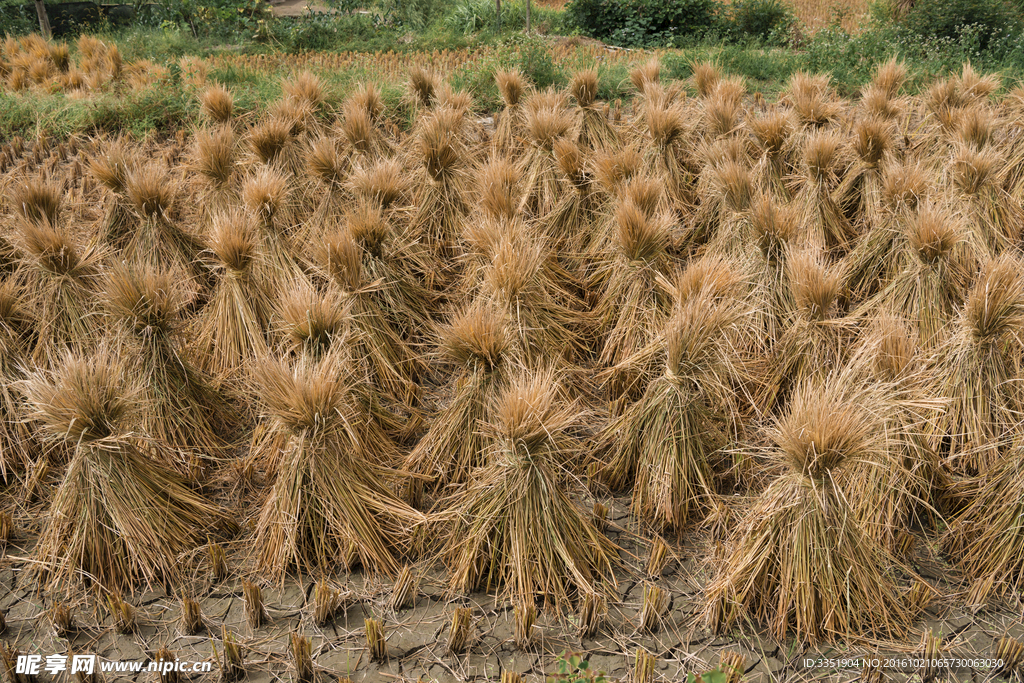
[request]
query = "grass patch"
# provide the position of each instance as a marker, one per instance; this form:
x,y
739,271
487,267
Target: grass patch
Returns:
x,y
345,50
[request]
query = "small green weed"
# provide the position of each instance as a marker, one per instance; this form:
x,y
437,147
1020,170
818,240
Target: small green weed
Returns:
x,y
573,668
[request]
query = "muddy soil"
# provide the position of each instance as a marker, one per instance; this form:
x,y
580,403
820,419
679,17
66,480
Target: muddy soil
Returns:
x,y
417,636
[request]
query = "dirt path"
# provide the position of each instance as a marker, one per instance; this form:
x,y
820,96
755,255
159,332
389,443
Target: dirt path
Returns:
x,y
298,8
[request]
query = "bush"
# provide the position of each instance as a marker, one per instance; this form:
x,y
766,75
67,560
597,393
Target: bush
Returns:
x,y
770,21
642,23
470,16
529,54
851,59
475,16
225,19
413,14
573,668
17,17
764,70
532,56
948,18
322,31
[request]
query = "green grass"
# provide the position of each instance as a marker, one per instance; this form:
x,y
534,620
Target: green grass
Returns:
x,y
163,109
766,69
169,105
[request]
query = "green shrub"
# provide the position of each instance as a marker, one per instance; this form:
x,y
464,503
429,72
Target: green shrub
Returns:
x,y
770,21
613,81
532,56
716,675
1005,51
849,58
17,18
412,14
475,16
948,18
852,58
322,31
765,70
642,23
226,19
471,16
529,54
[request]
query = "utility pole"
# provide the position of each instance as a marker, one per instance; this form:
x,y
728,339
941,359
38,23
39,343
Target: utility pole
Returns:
x,y
44,21
528,3
497,4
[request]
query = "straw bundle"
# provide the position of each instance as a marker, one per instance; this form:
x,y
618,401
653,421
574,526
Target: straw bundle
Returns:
x,y
231,329
975,368
815,340
931,264
441,195
391,364
823,168
510,127
17,442
665,442
632,304
184,412
112,168
799,562
477,343
313,518
547,121
592,128
875,260
119,517
906,486
515,528
60,284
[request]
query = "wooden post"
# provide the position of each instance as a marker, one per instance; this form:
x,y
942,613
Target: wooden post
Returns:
x,y
528,3
44,21
497,5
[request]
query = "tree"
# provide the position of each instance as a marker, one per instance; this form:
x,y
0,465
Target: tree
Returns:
x,y
44,21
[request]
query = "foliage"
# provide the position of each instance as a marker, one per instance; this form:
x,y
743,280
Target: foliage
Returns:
x,y
323,31
345,6
253,20
766,70
480,16
471,16
852,57
411,14
16,18
249,19
642,23
573,668
948,18
675,23
771,21
529,54
535,60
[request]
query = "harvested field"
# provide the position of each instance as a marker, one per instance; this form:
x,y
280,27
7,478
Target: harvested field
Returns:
x,y
691,381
